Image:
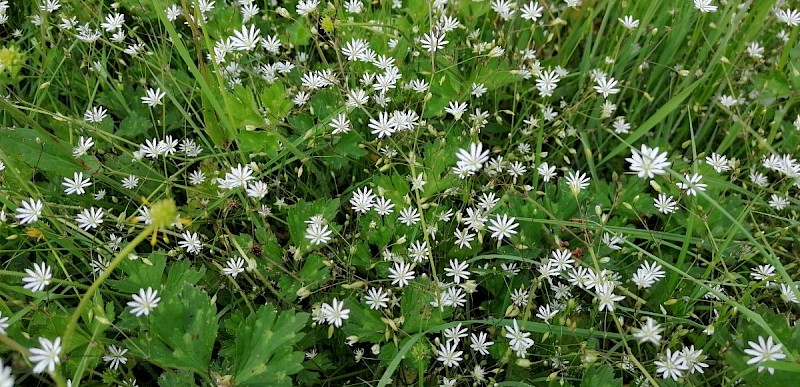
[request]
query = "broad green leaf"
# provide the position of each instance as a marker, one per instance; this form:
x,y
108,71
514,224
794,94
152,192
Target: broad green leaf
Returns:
x,y
312,276
141,273
416,307
600,376
263,352
364,323
47,154
259,141
133,126
303,211
183,331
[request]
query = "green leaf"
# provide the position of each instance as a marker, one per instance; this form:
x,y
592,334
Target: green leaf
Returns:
x,y
346,149
600,376
259,141
133,125
263,352
313,274
300,212
183,331
365,323
48,154
299,34
141,273
182,272
274,101
416,307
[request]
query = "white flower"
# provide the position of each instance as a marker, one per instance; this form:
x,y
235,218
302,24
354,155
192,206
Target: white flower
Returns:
x,y
376,298
665,204
239,176
257,190
577,181
755,50
546,171
692,184
95,114
144,302
409,216
318,234
46,356
546,313
235,266
84,143
629,22
384,126
787,294
130,182
306,7
335,312
76,185
38,278
502,228
401,273
764,350
671,366
472,159
532,11
191,242
546,82
433,41
790,17
692,359
3,324
649,332
648,163
455,334
246,40
383,206
30,211
116,356
519,341
457,270
6,379
606,298
705,7
340,124
449,354
153,97
720,163
90,218
778,202
463,238
480,343
456,109
363,199
197,177
606,86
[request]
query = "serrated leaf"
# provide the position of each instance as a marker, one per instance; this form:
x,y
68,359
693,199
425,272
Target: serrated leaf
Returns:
x,y
263,353
183,331
141,273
